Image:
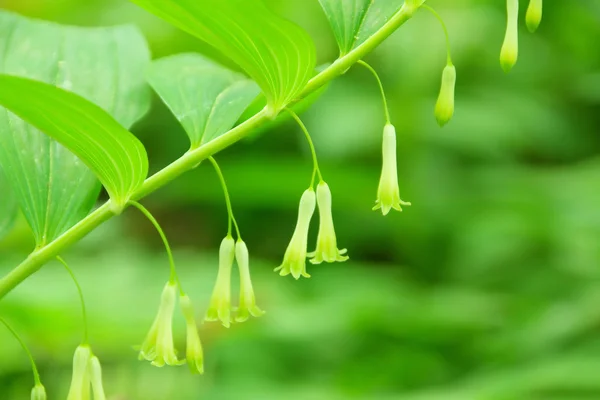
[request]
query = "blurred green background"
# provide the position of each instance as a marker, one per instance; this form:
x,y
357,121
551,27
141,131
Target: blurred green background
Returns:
x,y
487,288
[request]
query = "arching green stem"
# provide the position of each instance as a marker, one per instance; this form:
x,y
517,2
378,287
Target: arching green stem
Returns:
x,y
80,292
227,199
174,278
385,103
316,169
36,375
439,18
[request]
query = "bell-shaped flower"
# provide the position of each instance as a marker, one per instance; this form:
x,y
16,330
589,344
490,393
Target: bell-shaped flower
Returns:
x,y
38,392
193,352
388,194
534,15
247,305
80,380
444,108
158,346
510,48
96,379
294,260
326,240
220,302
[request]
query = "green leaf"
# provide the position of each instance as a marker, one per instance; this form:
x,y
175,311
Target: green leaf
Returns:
x,y
54,188
117,157
354,21
274,52
205,97
8,207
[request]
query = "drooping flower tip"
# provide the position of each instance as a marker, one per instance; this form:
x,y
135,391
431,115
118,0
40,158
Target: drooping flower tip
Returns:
x,y
96,378
534,15
388,193
158,345
194,353
327,249
294,260
247,306
444,107
219,308
38,392
510,47
80,379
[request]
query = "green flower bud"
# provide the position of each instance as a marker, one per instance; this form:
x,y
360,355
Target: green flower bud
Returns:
x,y
326,240
158,346
444,108
388,194
80,380
220,302
294,260
534,15
96,379
510,47
193,352
38,392
247,305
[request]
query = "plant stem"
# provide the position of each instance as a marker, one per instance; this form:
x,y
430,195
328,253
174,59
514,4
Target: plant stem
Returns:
x,y
192,158
80,292
316,169
439,18
227,199
173,278
36,375
386,110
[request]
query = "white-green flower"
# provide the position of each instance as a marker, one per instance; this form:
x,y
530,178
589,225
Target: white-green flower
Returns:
x,y
220,302
388,194
96,379
247,305
38,392
510,46
193,352
534,15
294,260
444,107
326,240
158,346
80,380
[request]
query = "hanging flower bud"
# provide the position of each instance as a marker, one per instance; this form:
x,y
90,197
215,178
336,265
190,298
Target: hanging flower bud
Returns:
x,y
326,241
444,108
80,380
294,260
38,392
534,15
193,351
510,47
220,302
96,379
158,346
388,194
247,305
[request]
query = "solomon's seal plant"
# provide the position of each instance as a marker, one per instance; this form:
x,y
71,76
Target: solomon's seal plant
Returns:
x,y
63,136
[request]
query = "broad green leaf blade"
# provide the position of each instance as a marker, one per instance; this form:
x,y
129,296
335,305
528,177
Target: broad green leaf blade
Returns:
x,y
8,207
117,157
274,52
205,97
354,21
54,188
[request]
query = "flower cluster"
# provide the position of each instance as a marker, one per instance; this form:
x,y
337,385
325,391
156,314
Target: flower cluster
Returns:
x,y
87,376
158,347
294,260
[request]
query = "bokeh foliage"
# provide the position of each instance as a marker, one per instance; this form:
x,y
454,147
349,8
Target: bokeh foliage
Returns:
x,y
486,288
